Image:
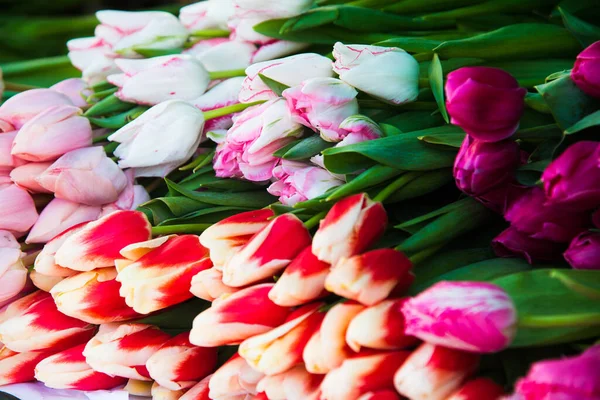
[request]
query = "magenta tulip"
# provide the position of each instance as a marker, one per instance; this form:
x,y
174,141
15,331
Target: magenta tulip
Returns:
x,y
586,71
584,251
514,243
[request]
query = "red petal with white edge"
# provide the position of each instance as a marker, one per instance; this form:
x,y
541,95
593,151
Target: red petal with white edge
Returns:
x,y
199,391
18,367
99,243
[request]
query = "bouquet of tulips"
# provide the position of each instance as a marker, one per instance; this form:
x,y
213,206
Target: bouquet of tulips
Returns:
x,y
291,200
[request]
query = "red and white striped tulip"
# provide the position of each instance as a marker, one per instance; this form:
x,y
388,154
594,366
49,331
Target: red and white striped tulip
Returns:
x,y
381,395
68,370
370,277
18,212
13,275
92,297
45,262
478,389
19,109
361,374
434,372
281,348
178,364
34,323
199,391
208,285
162,277
350,227
44,282
98,244
327,348
26,175
379,327
231,321
234,380
18,367
302,281
123,349
294,384
266,254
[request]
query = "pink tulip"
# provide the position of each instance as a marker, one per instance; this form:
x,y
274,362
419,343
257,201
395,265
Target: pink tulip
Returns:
x,y
13,275
265,254
294,384
19,109
486,102
197,16
26,176
585,71
208,285
45,262
230,320
478,389
91,55
584,251
199,391
5,179
18,367
350,227
234,378
512,242
472,316
221,95
75,89
7,159
18,212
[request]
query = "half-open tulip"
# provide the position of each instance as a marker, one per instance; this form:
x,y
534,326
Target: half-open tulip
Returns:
x,y
18,367
266,254
123,349
13,274
18,212
434,372
294,384
199,391
76,89
234,378
585,71
350,227
208,285
478,389
19,109
512,242
584,251
472,316
26,176
231,321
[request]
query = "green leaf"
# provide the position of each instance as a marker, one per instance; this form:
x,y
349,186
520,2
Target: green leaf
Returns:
x,y
163,208
530,174
536,102
489,7
209,180
207,215
530,73
252,199
584,123
450,139
179,316
120,120
371,177
43,72
447,65
411,44
306,148
436,80
280,152
585,32
422,6
415,121
276,87
431,215
424,184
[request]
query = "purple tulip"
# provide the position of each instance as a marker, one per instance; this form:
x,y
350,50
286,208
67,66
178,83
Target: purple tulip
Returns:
x,y
571,180
584,251
501,198
586,71
486,102
513,243
482,166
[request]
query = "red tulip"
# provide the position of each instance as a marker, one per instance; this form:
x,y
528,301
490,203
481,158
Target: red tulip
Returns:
x,y
234,380
585,71
199,391
478,389
294,384
19,367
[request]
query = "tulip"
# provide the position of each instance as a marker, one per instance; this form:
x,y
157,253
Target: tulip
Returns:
x,y
291,71
162,277
380,395
293,384
98,244
179,365
34,323
277,49
195,17
13,275
226,56
511,242
472,316
386,73
379,327
534,215
434,372
161,139
301,282
478,389
75,89
283,8
257,132
18,212
45,262
231,321
265,254
370,277
568,180
44,282
584,251
123,349
585,71
199,391
234,378
162,393
90,56
26,176
6,158
18,367
221,95
154,80
327,348
486,102
130,198
208,285
350,227
19,109
68,370
280,349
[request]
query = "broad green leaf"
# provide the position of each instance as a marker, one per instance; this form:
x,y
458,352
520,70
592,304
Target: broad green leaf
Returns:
x,y
43,72
371,177
281,151
449,139
163,208
433,214
530,73
424,184
530,174
585,32
207,215
411,44
436,80
414,121
421,6
536,102
209,180
489,7
539,133
588,121
306,148
250,199
448,65
276,87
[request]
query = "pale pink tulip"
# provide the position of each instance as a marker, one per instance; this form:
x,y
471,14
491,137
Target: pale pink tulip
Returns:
x,y
75,89
7,159
19,109
90,55
130,198
13,275
5,179
26,176
18,212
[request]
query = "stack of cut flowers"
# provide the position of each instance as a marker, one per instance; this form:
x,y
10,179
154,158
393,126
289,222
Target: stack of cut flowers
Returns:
x,y
294,200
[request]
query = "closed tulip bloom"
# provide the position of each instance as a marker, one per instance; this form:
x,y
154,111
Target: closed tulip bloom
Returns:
x,y
265,254
478,389
76,89
18,367
584,251
291,71
350,227
199,391
486,102
178,364
379,327
221,95
433,372
123,349
45,262
226,56
370,277
44,282
195,16
302,281
18,212
472,316
13,275
230,320
34,323
161,139
387,73
208,285
234,378
585,71
159,392
26,176
7,160
19,109
130,198
514,243
90,55
569,180
294,384
98,244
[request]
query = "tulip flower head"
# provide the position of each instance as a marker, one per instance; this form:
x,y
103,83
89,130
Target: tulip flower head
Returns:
x,y
13,274
478,389
26,176
585,71
18,212
294,384
18,367
7,160
227,55
208,285
199,391
512,242
76,89
198,16
221,95
584,251
234,378
91,55
19,109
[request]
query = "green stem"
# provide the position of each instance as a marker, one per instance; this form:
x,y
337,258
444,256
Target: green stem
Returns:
x,y
171,229
559,321
101,86
211,33
227,74
314,221
25,67
219,112
102,138
18,87
397,184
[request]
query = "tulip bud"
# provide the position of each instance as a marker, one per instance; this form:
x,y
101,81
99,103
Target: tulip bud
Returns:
x,y
75,89
350,227
19,109
294,384
18,367
484,316
226,56
231,321
90,56
179,365
291,71
283,8
208,285
478,389
98,244
142,141
6,158
277,49
123,349
265,254
45,262
234,378
387,73
130,198
486,102
26,176
584,251
585,71
301,282
434,372
512,242
379,327
195,17
199,391
13,275
18,212
34,323
370,277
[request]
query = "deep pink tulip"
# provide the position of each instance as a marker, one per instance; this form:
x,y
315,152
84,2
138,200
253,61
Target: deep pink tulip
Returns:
x,y
501,198
19,109
18,212
584,251
514,243
486,102
75,89
26,176
586,71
